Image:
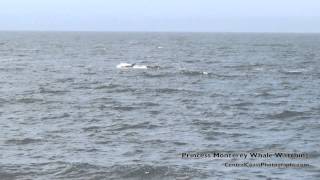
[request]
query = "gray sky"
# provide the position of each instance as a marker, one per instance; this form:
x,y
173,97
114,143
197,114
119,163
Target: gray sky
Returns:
x,y
161,15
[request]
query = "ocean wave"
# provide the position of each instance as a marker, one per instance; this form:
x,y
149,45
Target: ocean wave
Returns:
x,y
243,104
147,104
123,89
64,115
23,141
92,128
69,113
194,73
285,114
51,91
273,45
28,100
157,74
64,80
293,71
109,86
84,171
145,125
125,108
174,90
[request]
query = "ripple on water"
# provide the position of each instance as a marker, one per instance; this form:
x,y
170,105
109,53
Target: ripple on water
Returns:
x,y
68,106
109,86
53,92
130,171
24,141
125,108
30,100
145,125
285,114
193,73
64,115
156,74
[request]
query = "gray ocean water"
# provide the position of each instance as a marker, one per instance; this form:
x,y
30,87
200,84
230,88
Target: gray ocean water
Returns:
x,y
67,112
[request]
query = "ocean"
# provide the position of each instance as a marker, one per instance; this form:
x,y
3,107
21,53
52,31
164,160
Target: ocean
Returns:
x,y
68,112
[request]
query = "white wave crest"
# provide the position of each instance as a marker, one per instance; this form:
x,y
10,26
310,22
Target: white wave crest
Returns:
x,y
133,66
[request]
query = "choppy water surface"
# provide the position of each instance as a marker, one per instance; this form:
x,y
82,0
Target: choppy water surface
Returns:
x,y
67,112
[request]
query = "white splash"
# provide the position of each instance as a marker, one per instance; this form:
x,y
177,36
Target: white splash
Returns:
x,y
133,66
124,66
139,67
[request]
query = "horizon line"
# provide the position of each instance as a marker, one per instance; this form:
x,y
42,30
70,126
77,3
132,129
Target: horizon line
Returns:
x,y
162,31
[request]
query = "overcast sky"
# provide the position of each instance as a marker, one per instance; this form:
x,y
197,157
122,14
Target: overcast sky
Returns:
x,y
161,15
